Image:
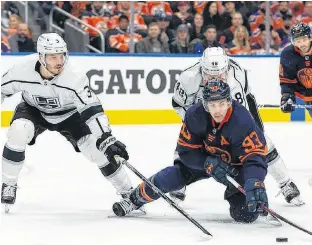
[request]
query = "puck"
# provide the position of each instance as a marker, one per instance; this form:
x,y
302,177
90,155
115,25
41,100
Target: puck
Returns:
x,y
281,239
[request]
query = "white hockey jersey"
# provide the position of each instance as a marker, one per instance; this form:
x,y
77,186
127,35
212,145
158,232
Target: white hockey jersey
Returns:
x,y
188,89
56,99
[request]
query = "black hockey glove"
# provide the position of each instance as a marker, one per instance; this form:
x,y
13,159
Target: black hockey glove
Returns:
x,y
218,169
111,147
288,102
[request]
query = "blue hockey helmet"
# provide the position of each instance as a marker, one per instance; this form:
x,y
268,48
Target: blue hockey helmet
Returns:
x,y
215,89
299,30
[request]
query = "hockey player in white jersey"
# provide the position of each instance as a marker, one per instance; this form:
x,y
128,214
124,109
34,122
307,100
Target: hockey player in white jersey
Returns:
x,y
57,97
188,90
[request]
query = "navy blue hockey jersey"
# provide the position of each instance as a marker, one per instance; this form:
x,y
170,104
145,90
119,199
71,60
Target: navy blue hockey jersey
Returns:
x,y
295,73
237,140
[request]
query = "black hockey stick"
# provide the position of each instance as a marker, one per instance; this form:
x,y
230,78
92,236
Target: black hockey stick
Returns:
x,y
167,199
278,106
270,211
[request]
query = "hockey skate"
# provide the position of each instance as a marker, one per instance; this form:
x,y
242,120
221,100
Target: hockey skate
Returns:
x,y
8,196
124,207
126,195
291,193
178,195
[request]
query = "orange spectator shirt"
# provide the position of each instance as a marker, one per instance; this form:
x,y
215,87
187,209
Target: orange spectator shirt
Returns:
x,y
96,21
153,6
121,41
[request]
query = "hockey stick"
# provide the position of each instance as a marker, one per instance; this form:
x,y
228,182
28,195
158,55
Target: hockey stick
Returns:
x,y
167,199
278,106
270,211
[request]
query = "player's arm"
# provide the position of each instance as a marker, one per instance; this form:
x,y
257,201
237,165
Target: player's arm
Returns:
x,y
250,147
252,103
190,148
182,98
9,85
288,83
90,108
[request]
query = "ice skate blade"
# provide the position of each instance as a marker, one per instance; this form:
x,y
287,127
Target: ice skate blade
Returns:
x,y
273,221
134,213
7,208
297,201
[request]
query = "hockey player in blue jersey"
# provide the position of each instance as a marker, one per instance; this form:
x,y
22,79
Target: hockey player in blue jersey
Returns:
x,y
295,71
218,137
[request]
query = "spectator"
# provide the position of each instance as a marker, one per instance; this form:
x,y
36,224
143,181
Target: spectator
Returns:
x,y
167,35
211,16
240,43
228,13
152,43
118,38
181,43
198,45
228,34
260,47
306,17
21,41
197,28
14,21
7,9
124,9
283,9
183,16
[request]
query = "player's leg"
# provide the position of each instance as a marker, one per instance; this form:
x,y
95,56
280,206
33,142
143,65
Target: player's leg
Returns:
x,y
180,193
278,170
25,127
167,180
79,135
238,208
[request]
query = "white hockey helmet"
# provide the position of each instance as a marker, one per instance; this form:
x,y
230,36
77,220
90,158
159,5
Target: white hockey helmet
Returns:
x,y
214,62
51,43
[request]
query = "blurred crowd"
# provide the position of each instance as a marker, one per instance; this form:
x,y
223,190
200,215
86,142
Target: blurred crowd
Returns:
x,y
168,27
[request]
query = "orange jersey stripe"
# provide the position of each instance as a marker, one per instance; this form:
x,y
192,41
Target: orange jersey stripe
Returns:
x,y
143,193
183,143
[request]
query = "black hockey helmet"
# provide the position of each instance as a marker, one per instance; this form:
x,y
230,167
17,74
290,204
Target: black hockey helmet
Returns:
x,y
299,30
215,89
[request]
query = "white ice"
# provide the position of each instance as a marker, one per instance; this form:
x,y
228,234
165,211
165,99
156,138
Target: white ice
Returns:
x,y
63,199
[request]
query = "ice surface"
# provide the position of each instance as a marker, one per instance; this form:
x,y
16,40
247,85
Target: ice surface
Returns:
x,y
63,199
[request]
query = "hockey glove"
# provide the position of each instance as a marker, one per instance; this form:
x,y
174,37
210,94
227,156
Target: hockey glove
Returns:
x,y
218,169
288,103
256,196
111,147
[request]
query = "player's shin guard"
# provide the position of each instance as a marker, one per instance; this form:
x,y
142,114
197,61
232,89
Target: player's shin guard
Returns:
x,y
116,174
278,170
113,171
12,163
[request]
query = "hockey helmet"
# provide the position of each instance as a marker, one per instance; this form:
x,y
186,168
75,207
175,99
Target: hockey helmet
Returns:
x,y
299,30
215,89
214,62
51,43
